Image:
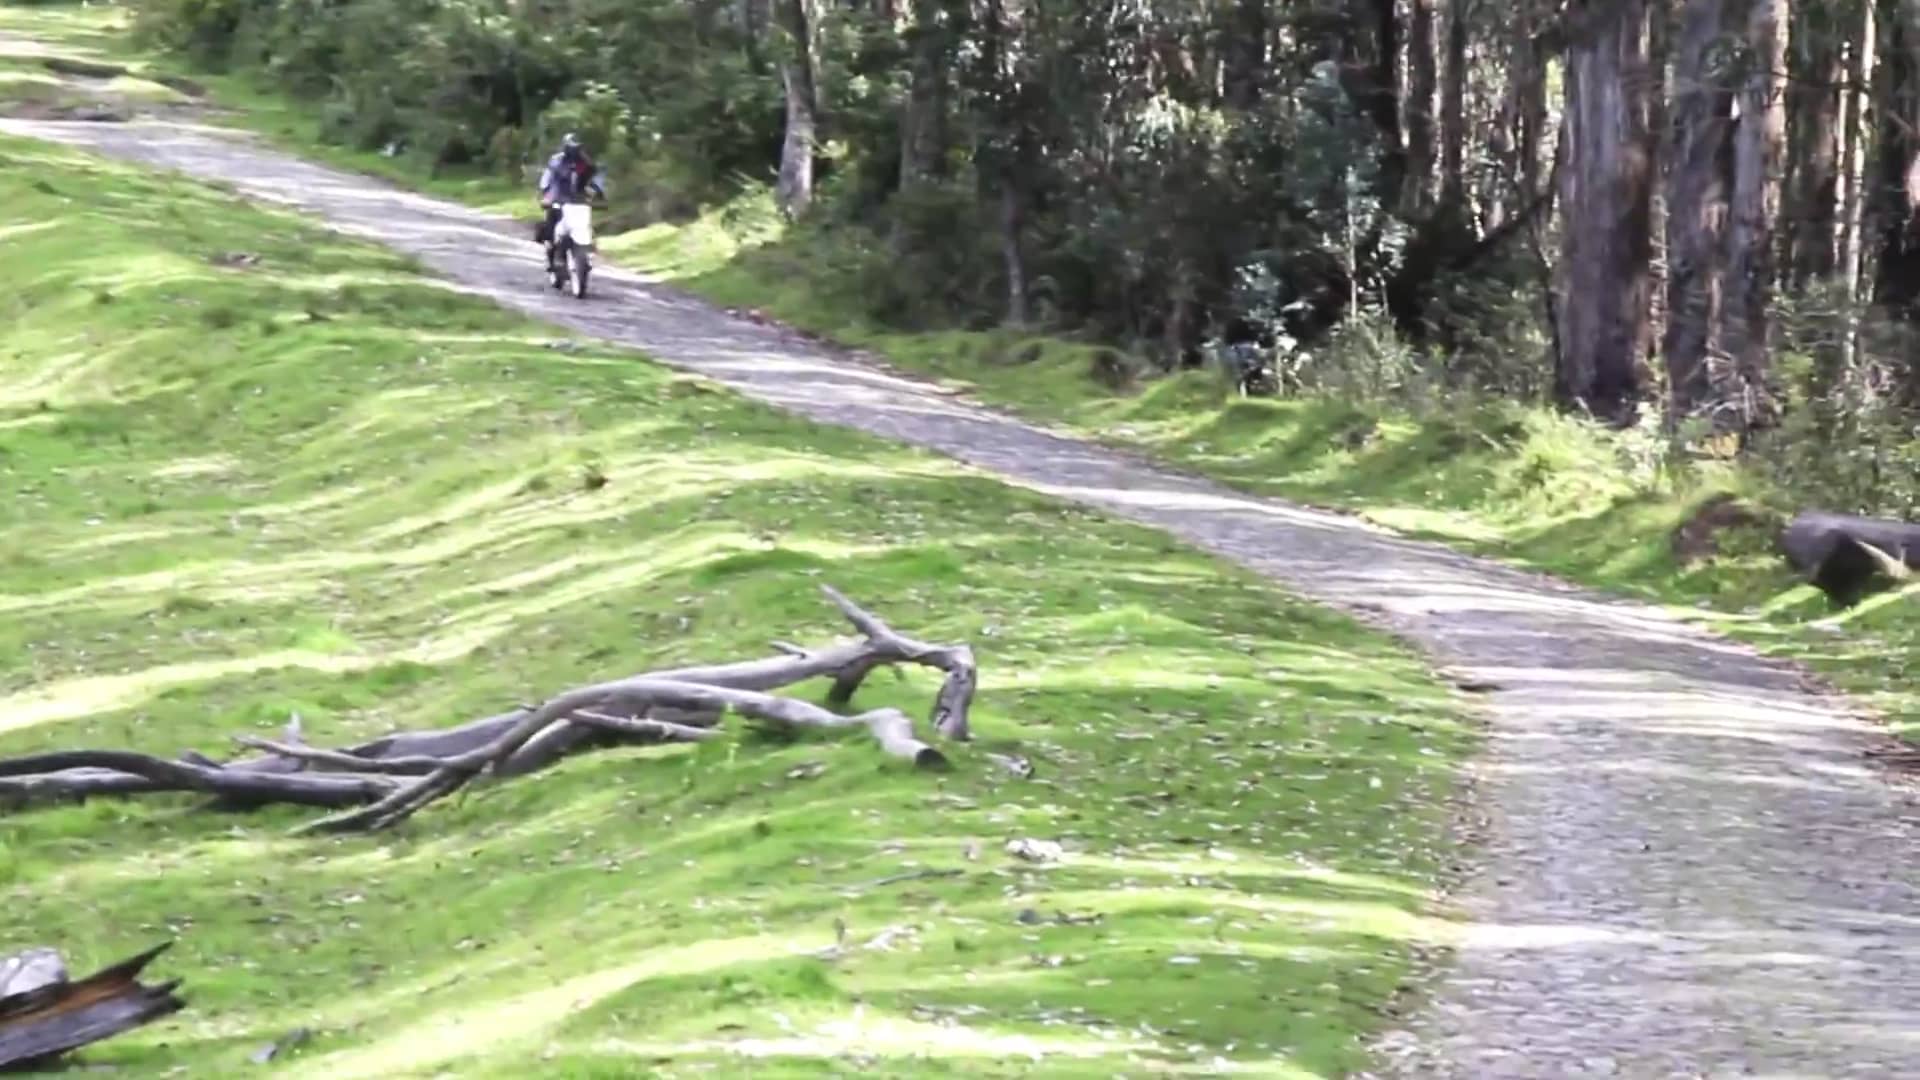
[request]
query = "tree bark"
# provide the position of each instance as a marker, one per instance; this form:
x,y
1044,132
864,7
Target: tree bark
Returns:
x,y
1758,143
1606,188
1896,286
1012,250
1370,77
1860,75
1814,104
1660,44
44,1016
1517,131
1005,158
794,190
1532,103
1856,135
1453,109
1244,72
1696,207
1421,85
923,117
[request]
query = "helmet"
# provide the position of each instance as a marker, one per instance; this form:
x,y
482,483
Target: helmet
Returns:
x,y
570,146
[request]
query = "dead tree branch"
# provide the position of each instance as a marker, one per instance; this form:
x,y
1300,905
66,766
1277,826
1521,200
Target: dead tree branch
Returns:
x,y
43,1015
380,783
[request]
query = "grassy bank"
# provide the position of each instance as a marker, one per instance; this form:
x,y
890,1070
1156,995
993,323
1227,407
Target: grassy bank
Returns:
x,y
308,481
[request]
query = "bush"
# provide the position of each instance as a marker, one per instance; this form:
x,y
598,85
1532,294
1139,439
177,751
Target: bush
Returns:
x,y
203,30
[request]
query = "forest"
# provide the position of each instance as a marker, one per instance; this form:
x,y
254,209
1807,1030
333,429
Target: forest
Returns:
x,y
1692,212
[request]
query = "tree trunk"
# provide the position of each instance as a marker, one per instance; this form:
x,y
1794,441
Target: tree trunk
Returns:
x,y
1012,250
1660,34
1896,285
1453,109
1421,83
1813,119
1606,187
795,188
1370,76
1696,208
923,119
1759,137
1245,70
1005,159
1860,75
1536,117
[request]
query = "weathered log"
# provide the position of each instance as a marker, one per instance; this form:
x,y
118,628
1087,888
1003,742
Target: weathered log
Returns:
x,y
78,773
950,706
43,1015
1850,557
384,781
889,727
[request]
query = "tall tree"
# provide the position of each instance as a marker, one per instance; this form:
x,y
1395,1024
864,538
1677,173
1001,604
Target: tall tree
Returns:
x,y
924,133
1006,151
1759,137
1861,72
1369,65
1697,162
1422,81
1896,191
1817,63
794,189
1605,192
1244,71
1453,108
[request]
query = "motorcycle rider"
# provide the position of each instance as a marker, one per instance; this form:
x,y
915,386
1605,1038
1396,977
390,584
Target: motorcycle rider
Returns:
x,y
569,175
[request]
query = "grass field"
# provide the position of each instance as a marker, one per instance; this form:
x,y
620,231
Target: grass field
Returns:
x,y
309,481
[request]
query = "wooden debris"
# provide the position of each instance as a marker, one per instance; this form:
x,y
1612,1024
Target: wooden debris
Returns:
x,y
380,783
44,1015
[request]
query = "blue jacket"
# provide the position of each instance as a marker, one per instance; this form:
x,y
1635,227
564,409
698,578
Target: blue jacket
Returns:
x,y
561,182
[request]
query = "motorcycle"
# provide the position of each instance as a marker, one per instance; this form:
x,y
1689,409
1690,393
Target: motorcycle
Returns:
x,y
570,252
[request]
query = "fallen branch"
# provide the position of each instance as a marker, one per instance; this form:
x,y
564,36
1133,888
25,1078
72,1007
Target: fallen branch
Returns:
x,y
79,773
341,759
380,783
956,694
42,1015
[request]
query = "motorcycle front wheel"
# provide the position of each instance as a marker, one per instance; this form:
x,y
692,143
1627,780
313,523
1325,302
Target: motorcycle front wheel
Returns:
x,y
579,268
